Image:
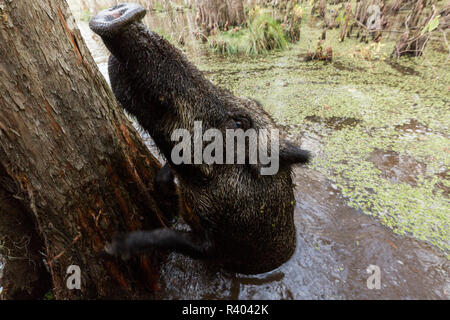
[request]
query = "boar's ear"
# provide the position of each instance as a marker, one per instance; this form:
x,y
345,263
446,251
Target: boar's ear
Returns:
x,y
291,154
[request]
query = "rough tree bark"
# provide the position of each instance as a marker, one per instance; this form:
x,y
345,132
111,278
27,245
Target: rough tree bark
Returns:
x,y
73,171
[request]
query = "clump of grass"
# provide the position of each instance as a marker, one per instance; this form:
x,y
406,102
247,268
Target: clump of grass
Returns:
x,y
263,33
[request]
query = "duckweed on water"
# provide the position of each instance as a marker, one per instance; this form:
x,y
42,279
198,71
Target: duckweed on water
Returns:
x,y
398,107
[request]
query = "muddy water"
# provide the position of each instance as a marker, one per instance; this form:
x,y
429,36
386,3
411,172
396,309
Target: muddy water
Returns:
x,y
336,242
335,246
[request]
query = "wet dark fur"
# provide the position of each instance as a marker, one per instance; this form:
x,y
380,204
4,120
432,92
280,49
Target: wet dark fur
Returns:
x,y
239,218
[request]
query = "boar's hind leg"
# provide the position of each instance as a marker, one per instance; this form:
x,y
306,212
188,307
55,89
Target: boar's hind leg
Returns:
x,y
137,242
166,194
121,84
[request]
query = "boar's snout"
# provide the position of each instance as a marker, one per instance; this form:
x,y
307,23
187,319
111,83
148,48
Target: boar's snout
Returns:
x,y
110,21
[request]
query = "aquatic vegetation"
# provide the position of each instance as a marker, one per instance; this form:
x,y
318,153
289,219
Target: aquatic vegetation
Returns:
x,y
408,209
348,110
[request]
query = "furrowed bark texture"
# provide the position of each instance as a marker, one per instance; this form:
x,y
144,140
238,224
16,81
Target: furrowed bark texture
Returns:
x,y
73,171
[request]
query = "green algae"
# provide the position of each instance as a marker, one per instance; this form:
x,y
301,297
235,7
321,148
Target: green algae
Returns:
x,y
415,210
381,99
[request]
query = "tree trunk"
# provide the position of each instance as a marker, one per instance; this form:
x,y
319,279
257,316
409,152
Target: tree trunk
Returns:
x,y
219,14
322,8
369,17
73,171
319,8
412,42
346,22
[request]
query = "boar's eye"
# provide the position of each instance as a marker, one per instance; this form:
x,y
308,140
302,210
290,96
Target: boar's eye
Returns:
x,y
242,123
238,120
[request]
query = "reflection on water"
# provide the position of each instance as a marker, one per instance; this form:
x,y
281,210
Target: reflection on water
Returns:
x,y
336,243
397,168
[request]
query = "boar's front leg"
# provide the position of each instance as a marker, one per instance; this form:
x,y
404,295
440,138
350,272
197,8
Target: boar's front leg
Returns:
x,y
138,242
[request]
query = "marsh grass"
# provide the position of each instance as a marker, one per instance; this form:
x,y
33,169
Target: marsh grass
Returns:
x,y
262,34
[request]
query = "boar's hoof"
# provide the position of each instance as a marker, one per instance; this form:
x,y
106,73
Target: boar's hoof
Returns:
x,y
119,247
